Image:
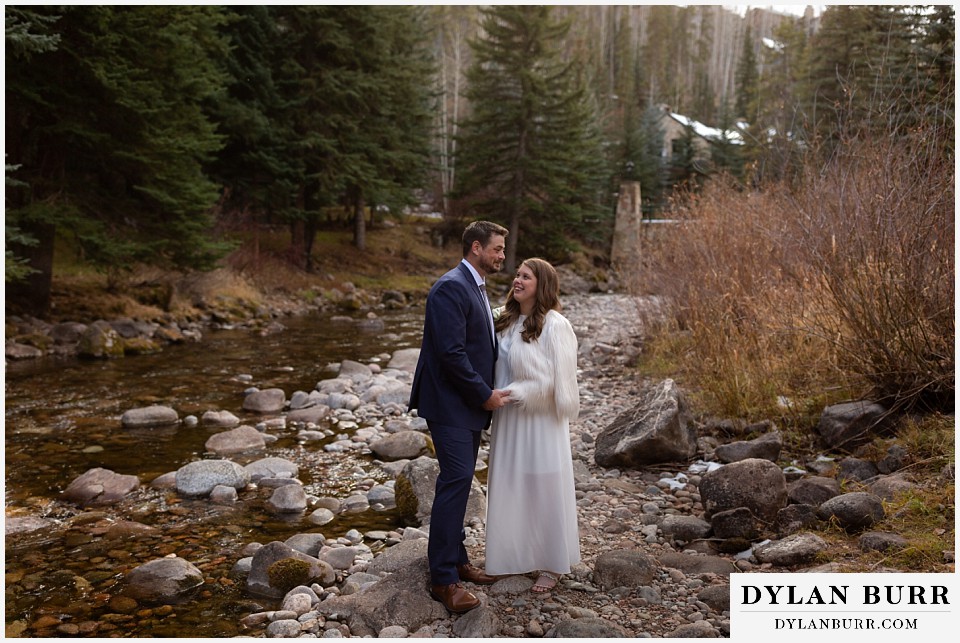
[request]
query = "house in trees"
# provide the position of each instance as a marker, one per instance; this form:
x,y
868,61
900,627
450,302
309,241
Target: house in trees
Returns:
x,y
693,151
678,129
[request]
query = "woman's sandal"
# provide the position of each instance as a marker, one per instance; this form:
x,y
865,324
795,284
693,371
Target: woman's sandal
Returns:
x,y
545,582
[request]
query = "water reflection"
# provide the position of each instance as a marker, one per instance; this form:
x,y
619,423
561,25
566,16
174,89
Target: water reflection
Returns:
x,y
62,418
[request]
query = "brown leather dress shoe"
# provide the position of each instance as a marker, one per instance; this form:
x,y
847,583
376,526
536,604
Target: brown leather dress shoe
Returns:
x,y
454,597
474,575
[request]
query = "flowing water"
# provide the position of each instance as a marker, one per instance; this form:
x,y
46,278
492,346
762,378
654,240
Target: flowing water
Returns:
x,y
62,418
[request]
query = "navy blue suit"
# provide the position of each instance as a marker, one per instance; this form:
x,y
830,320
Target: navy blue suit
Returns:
x,y
454,378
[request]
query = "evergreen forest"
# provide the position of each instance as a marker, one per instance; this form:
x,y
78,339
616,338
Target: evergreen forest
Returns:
x,y
149,135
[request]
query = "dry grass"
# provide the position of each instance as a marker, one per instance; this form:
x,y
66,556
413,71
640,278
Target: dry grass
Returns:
x,y
400,257
792,297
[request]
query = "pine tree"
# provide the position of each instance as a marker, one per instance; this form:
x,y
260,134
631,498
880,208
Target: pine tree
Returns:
x,y
747,80
530,153
111,136
778,127
258,174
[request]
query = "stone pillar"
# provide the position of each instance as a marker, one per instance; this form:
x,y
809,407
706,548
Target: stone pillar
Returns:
x,y
625,253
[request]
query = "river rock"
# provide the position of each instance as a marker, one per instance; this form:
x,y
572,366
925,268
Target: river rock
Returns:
x,y
140,346
887,487
857,470
200,477
258,581
850,424
287,499
238,440
223,495
68,332
354,371
795,517
739,523
270,400
155,415
853,511
405,360
623,568
812,490
385,391
402,445
308,544
588,628
401,598
657,429
793,550
697,630
100,487
25,524
164,580
338,557
271,467
100,340
382,495
684,528
416,487
15,350
895,459
286,628
766,447
759,485
310,415
693,564
479,623
224,419
882,541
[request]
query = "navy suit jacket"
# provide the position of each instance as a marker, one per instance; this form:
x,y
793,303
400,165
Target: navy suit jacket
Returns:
x,y
454,375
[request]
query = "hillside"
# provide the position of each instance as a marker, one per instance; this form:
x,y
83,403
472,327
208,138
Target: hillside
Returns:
x,y
406,257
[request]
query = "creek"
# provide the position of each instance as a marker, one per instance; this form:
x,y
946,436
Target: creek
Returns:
x,y
62,418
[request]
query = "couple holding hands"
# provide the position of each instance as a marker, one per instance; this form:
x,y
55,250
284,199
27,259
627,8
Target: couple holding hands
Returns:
x,y
517,368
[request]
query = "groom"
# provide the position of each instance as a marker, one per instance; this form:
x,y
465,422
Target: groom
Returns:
x,y
453,391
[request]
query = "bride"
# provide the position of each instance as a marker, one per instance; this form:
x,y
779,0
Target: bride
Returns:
x,y
532,511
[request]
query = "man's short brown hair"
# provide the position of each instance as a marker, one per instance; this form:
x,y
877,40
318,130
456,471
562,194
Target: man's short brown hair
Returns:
x,y
481,231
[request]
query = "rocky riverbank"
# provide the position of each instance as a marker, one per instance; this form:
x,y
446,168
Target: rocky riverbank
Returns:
x,y
658,539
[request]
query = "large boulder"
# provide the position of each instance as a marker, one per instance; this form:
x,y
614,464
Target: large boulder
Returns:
x,y
759,485
400,598
100,487
259,578
657,429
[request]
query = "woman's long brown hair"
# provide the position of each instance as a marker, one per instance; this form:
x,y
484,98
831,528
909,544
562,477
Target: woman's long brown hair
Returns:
x,y
547,299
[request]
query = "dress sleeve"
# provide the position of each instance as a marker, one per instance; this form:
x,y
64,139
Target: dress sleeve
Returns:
x,y
562,346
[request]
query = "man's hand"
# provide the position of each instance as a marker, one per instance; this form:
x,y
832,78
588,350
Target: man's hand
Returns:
x,y
498,399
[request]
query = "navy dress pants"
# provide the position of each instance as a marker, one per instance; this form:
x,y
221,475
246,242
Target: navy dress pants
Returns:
x,y
457,450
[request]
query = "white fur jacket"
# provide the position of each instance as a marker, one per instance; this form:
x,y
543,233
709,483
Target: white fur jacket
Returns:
x,y
545,371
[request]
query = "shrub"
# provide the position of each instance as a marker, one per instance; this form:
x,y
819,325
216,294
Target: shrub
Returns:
x,y
840,285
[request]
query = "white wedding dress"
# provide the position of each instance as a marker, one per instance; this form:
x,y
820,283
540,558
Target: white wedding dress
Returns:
x,y
531,503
